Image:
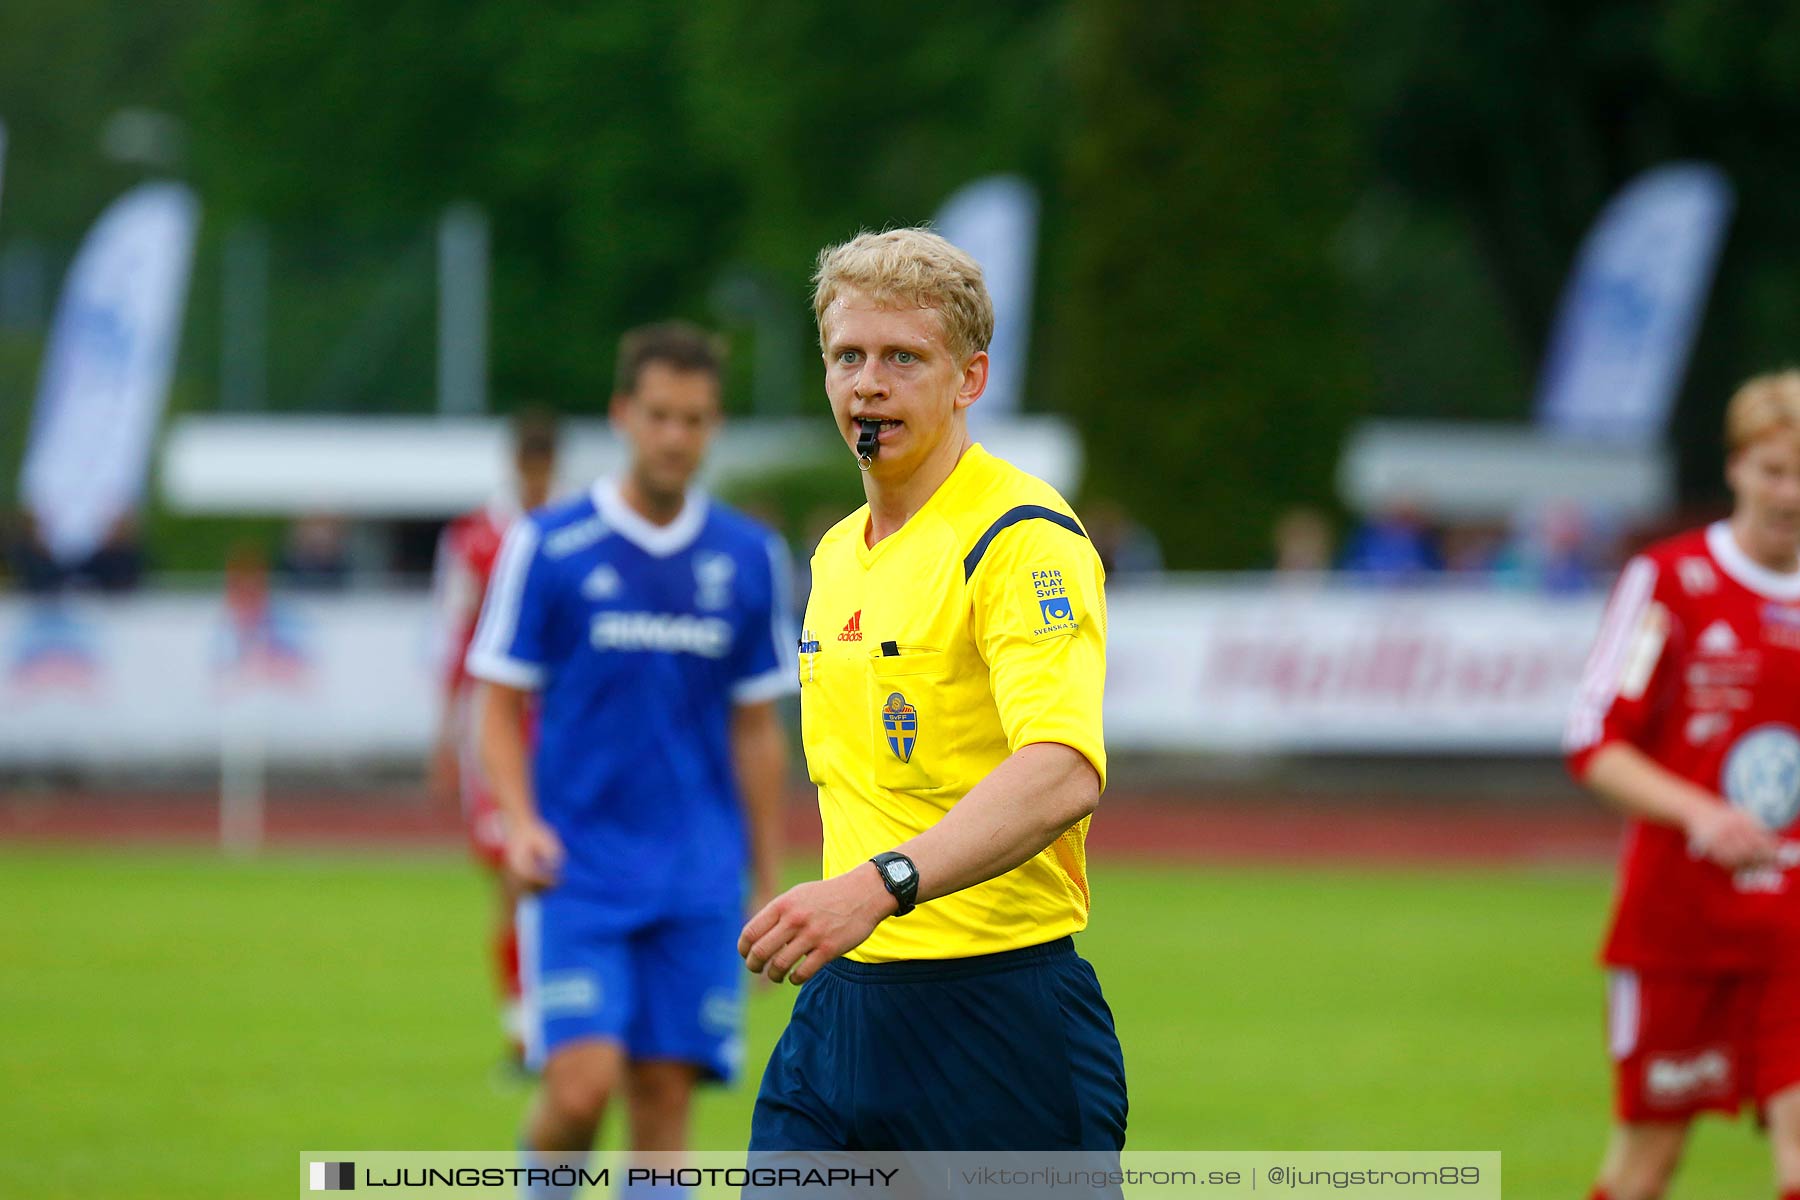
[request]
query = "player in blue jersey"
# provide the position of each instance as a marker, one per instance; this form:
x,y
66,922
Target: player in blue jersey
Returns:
x,y
649,624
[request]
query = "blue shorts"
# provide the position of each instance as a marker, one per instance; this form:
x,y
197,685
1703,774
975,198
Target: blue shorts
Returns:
x,y
665,988
1010,1051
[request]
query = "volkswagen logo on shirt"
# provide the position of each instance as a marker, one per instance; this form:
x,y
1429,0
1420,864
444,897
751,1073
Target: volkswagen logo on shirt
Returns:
x,y
1762,775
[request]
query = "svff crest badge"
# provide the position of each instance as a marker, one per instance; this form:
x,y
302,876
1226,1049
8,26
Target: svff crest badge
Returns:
x,y
901,721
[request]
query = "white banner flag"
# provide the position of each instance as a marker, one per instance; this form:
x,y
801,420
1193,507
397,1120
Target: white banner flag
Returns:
x,y
106,373
1632,305
995,221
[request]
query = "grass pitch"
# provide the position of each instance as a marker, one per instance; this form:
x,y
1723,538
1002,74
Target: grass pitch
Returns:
x,y
179,1026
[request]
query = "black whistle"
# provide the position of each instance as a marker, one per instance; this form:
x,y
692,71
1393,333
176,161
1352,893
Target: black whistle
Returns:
x,y
868,441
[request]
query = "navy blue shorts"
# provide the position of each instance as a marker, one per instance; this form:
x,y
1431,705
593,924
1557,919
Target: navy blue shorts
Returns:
x,y
1010,1051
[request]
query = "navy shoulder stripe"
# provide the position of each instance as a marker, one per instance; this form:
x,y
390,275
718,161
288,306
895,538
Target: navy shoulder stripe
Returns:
x,y
1025,512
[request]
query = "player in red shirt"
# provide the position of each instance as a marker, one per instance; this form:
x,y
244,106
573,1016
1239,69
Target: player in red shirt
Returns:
x,y
1688,720
466,552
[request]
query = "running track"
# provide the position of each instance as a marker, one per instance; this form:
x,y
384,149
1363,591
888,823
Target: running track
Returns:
x,y
1258,828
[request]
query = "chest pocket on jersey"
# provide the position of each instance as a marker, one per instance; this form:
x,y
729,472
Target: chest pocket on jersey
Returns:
x,y
909,729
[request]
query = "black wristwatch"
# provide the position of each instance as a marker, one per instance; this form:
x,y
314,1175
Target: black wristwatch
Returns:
x,y
900,878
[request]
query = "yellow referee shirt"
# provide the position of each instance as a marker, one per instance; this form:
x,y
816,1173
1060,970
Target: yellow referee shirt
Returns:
x,y
977,628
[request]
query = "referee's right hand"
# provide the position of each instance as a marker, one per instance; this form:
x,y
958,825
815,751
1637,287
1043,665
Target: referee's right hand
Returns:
x,y
807,926
533,854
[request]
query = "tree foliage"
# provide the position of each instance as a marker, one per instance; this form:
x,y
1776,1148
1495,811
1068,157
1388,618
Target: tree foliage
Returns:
x,y
1203,331
66,68
1260,221
1523,119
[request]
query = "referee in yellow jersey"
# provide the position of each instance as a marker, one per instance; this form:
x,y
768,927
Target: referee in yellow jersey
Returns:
x,y
951,670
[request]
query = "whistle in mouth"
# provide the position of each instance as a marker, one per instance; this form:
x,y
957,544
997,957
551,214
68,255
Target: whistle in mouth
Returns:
x,y
868,443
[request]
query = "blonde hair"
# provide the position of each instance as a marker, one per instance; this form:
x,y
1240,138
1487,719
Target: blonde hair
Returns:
x,y
912,268
1763,405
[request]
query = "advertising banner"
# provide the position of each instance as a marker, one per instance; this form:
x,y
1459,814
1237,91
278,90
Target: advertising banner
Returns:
x,y
1267,669
1213,667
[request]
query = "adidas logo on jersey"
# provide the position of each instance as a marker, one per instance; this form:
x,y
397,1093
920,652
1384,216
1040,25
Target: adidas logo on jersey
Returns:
x,y
1697,577
602,583
1718,638
852,631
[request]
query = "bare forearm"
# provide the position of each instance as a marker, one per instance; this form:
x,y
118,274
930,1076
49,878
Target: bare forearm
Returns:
x,y
1023,805
759,752
502,744
1730,836
1631,781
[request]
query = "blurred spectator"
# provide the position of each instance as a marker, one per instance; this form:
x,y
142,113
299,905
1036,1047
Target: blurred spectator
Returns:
x,y
315,555
1475,552
246,585
261,642
1124,546
1394,546
1302,538
116,567
1552,551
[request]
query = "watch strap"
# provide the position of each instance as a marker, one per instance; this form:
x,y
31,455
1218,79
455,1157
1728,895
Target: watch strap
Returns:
x,y
906,891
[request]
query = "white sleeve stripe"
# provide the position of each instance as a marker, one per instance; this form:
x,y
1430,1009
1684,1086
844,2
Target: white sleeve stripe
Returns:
x,y
1584,730
782,681
1623,1009
1601,678
1600,681
499,668
528,925
499,623
781,602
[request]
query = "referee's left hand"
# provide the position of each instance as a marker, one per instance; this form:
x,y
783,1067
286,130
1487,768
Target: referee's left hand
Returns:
x,y
807,926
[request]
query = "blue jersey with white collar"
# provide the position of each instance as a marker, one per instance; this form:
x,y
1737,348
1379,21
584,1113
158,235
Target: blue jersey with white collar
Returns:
x,y
639,639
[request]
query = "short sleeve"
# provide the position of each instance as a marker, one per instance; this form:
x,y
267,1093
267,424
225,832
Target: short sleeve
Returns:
x,y
761,668
509,645
454,600
1038,601
1622,686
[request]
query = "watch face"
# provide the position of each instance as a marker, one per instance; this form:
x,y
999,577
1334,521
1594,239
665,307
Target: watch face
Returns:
x,y
899,872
